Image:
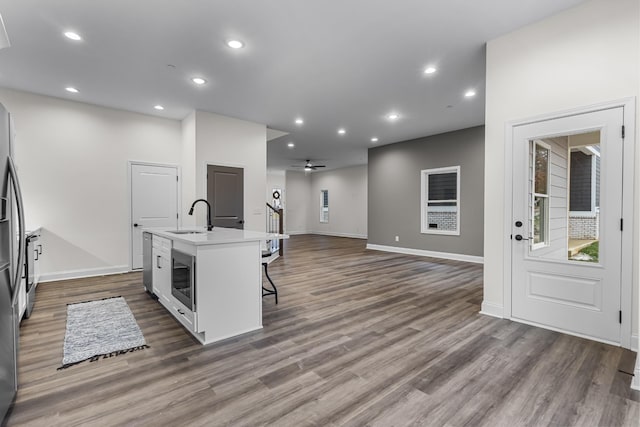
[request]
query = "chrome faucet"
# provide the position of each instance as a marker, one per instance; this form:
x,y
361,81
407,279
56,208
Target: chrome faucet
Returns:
x,y
209,226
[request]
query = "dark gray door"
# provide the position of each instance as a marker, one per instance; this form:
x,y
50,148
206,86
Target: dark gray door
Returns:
x,y
225,192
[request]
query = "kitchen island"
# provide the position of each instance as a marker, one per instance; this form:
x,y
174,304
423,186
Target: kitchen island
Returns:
x,y
210,281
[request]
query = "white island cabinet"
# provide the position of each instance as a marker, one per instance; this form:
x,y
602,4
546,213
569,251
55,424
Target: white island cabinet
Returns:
x,y
161,269
222,296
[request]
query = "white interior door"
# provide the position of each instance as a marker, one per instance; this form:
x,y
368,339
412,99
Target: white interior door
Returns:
x,y
566,225
154,203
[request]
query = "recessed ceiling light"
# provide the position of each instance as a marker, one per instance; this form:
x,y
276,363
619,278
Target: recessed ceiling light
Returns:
x,y
299,121
374,139
198,80
430,70
291,145
393,116
158,107
470,93
235,44
342,131
71,89
73,36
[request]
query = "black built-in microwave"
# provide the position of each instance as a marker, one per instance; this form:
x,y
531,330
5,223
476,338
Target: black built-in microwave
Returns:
x,y
183,278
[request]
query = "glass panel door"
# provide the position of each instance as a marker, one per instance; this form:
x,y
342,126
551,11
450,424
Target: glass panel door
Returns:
x,y
564,196
566,242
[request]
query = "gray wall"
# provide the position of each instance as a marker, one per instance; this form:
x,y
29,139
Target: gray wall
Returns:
x,y
394,191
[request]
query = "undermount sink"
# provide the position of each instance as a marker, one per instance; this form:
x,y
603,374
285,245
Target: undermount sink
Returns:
x,y
186,232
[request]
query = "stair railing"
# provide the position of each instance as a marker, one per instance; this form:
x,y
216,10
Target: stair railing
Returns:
x,y
275,224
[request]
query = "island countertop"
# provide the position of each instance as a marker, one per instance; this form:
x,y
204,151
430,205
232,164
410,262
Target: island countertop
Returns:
x,y
218,236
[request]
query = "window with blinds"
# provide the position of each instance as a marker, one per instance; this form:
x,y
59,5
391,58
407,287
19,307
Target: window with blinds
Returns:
x,y
324,205
440,206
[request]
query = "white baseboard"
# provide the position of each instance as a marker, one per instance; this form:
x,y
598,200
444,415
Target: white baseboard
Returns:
x,y
491,309
322,233
296,233
225,337
433,254
349,235
635,383
78,274
634,343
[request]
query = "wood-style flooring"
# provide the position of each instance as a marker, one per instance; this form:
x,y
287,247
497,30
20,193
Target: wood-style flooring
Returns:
x,y
359,338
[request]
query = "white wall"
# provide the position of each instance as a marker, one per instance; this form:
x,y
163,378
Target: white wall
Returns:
x,y
585,55
276,179
226,141
347,202
188,169
298,202
72,160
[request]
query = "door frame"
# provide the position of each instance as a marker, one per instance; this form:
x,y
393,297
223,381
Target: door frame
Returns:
x,y
130,164
629,271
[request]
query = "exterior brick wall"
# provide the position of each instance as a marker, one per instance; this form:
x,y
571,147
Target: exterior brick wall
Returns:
x,y
446,221
584,227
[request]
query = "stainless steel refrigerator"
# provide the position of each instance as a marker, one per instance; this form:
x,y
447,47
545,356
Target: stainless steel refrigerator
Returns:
x,y
12,250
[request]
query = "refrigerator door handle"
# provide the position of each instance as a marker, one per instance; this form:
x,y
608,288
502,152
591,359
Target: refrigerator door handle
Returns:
x,y
21,235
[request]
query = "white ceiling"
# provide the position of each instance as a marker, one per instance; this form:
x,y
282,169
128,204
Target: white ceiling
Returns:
x,y
335,63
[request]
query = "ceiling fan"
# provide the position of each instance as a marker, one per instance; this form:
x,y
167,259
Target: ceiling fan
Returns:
x,y
309,166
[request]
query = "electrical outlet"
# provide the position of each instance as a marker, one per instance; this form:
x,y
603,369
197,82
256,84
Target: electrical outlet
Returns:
x,y
397,238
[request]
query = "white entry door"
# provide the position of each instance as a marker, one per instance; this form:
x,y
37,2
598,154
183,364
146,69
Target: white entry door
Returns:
x,y
566,224
154,203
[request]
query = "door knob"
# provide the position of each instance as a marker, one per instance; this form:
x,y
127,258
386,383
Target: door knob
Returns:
x,y
520,238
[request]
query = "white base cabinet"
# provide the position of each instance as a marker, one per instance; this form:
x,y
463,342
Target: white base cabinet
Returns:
x,y
161,282
228,290
184,316
161,271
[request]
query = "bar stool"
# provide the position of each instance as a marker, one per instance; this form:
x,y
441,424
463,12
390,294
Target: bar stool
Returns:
x,y
265,291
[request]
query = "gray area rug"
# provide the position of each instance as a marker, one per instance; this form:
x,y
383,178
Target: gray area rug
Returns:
x,y
100,329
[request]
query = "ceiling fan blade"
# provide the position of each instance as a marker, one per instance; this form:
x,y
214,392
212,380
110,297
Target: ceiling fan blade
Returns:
x,y
4,37
308,166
